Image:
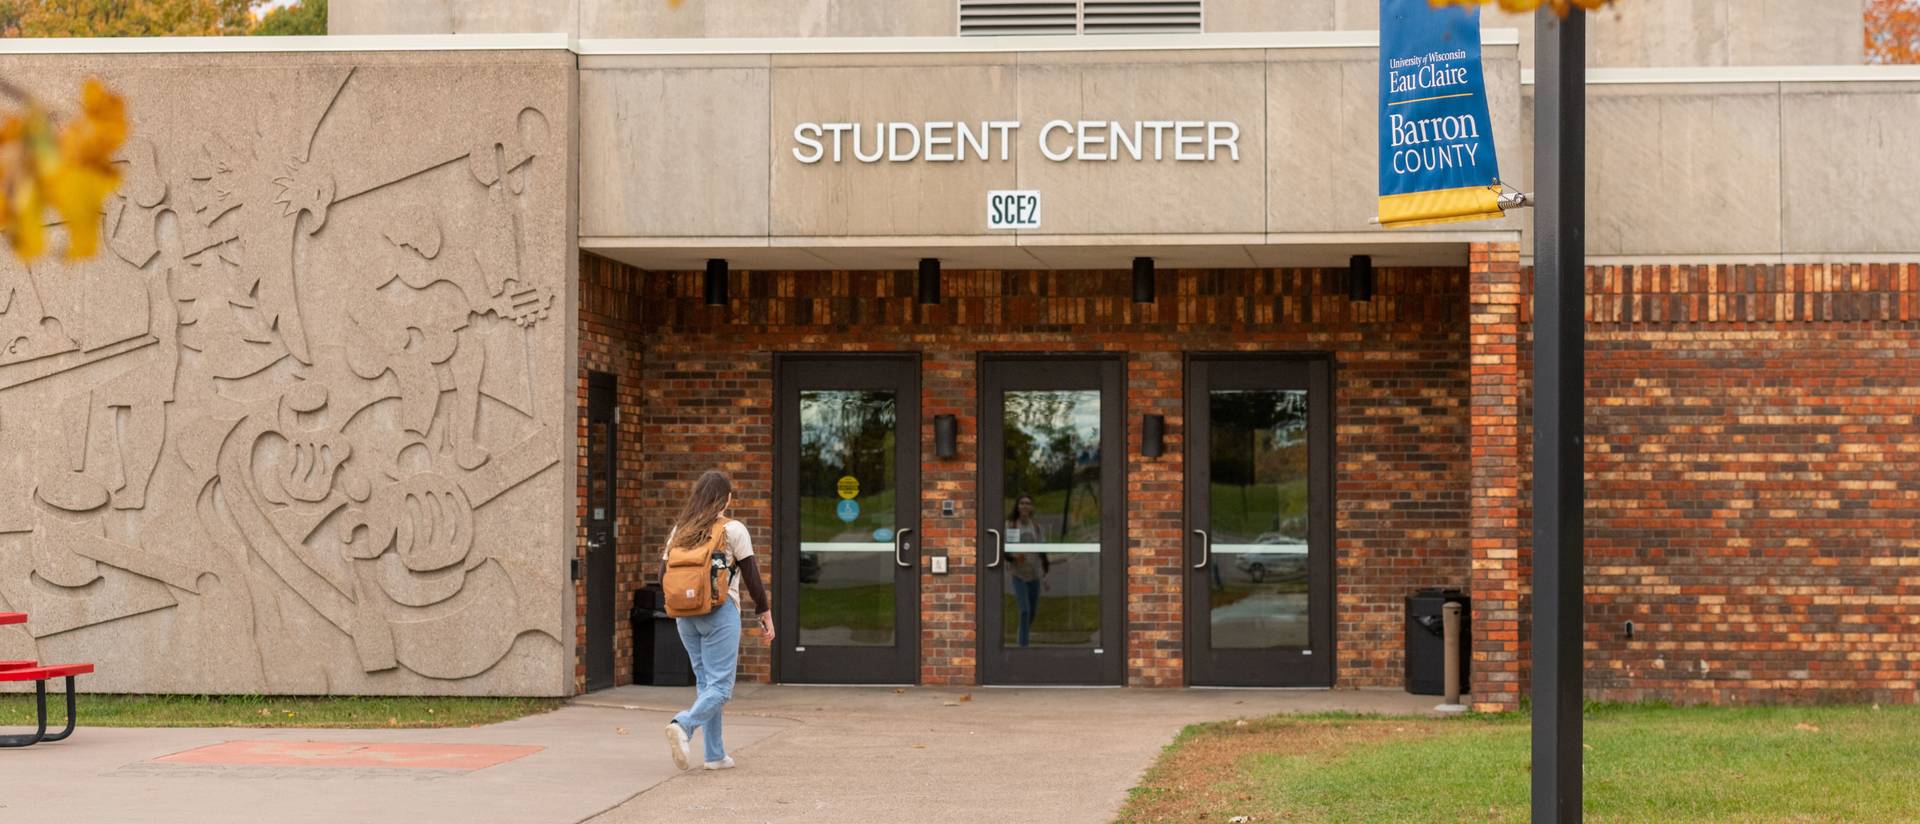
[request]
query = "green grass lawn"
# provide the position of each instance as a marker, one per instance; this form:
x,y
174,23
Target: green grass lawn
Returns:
x,y
820,518
866,608
1059,620
1643,764
268,711
870,609
1250,511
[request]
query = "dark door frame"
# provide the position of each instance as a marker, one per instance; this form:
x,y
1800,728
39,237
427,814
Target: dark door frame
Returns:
x,y
602,519
1062,666
899,371
1260,668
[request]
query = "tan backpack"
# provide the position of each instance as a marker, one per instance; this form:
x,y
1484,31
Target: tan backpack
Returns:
x,y
697,578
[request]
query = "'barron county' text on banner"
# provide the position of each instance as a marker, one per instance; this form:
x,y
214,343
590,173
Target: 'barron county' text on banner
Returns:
x,y
1436,141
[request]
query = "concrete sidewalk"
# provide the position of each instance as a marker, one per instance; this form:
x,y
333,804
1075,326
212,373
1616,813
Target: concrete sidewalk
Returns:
x,y
588,761
953,756
806,754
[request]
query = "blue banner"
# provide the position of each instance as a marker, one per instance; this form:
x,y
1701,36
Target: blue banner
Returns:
x,y
1436,140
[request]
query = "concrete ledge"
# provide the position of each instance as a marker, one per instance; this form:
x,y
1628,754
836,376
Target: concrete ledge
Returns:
x,y
331,43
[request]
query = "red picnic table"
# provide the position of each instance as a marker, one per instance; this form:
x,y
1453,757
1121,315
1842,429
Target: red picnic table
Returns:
x,y
39,674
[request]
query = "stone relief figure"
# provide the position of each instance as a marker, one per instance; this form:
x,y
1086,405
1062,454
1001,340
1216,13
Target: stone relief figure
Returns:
x,y
334,373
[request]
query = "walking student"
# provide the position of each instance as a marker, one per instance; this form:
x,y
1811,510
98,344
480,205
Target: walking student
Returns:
x,y
708,549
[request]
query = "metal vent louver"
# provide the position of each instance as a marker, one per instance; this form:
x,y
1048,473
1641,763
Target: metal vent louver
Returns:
x,y
1017,17
1139,16
1001,17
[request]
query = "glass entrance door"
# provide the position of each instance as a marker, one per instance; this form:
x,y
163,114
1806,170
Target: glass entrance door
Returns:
x,y
1259,455
1052,522
848,509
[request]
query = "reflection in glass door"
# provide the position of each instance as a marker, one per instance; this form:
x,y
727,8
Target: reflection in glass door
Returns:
x,y
1259,504
849,502
1052,522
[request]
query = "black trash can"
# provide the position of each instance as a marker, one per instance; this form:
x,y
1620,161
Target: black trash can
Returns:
x,y
1427,641
659,659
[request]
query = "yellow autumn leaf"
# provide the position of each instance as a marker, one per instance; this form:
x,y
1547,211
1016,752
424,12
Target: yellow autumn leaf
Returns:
x,y
78,194
83,179
92,139
71,172
27,230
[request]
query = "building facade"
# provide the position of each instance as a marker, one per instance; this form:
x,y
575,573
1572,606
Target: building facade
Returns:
x,y
411,294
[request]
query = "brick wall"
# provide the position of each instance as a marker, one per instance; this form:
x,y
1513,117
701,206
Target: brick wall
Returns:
x,y
1401,417
948,641
610,333
1499,292
1754,482
1751,450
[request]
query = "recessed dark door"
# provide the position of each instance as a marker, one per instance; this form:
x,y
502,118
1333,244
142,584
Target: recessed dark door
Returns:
x,y
1052,529
602,460
1259,463
847,495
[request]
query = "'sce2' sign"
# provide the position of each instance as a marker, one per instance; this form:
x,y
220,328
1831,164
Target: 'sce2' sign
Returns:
x,y
1013,209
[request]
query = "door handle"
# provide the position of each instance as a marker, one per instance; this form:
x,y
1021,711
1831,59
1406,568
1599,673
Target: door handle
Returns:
x,y
898,545
596,541
1206,549
997,546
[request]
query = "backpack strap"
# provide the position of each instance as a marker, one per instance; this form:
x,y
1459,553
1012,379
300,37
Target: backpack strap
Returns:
x,y
720,539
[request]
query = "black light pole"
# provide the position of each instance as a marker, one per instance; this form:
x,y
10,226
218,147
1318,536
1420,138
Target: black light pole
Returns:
x,y
1559,385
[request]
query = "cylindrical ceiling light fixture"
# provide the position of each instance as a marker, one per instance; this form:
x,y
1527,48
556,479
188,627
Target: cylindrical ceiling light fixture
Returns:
x,y
1360,278
1143,280
929,292
716,282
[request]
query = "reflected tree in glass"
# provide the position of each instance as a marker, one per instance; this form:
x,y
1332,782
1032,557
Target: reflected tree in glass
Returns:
x,y
1258,518
1052,497
846,544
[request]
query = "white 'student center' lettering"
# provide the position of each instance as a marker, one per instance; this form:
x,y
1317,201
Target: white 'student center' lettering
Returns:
x,y
953,141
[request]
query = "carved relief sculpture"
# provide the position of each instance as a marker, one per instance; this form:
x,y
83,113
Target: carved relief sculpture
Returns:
x,y
299,427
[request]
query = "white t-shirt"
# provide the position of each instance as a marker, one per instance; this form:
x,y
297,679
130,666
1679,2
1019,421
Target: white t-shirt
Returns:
x,y
739,545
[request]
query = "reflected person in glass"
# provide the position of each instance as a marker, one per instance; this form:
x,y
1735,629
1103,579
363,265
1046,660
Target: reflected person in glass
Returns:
x,y
1027,570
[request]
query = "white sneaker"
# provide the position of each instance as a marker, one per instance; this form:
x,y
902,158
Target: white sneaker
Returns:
x,y
678,745
723,764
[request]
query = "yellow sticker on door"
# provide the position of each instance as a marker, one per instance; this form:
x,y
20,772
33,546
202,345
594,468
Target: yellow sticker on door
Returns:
x,y
849,487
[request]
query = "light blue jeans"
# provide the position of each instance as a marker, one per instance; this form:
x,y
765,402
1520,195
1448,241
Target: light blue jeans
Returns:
x,y
713,644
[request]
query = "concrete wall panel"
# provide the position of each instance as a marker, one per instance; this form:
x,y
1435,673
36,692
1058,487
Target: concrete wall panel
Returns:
x,y
299,427
707,128
1690,170
452,16
885,198
1848,158
1223,195
1264,15
1319,114
770,18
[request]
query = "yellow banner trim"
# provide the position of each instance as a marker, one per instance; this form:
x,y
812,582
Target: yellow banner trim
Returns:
x,y
1440,206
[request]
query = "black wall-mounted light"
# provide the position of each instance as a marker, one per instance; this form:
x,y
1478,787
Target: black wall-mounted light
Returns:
x,y
929,281
1143,280
1360,278
945,434
1153,431
716,282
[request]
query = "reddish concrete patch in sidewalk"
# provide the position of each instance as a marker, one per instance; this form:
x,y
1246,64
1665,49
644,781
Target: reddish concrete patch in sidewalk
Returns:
x,y
467,757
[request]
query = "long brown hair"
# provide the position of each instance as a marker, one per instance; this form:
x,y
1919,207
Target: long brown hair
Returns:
x,y
703,507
